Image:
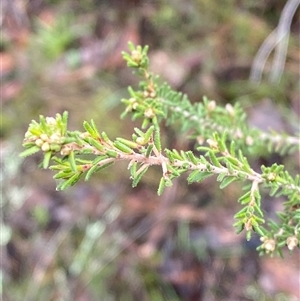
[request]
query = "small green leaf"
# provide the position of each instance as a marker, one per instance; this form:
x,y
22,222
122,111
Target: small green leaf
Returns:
x,y
63,175
184,155
95,128
176,155
149,133
246,166
168,182
244,199
138,176
105,137
28,144
233,161
89,128
220,141
162,185
62,122
227,181
203,149
192,158
131,46
157,142
139,132
274,189
145,50
198,176
111,153
131,92
258,219
241,213
258,210
89,173
133,169
174,171
122,147
43,124
95,143
214,159
239,228
70,182
128,143
30,151
82,161
257,197
221,176
65,117
104,166
230,168
232,148
46,160
98,159
71,158
149,150
145,123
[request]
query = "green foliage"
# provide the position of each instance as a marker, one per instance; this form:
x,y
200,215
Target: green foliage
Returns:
x,y
223,138
53,39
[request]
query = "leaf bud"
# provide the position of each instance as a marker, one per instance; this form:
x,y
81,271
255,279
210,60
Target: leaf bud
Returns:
x,y
249,140
271,176
269,245
239,134
200,139
152,94
51,120
85,135
44,137
229,108
248,225
212,143
136,56
211,106
149,113
141,141
55,147
45,147
39,142
55,138
65,150
292,242
28,134
132,100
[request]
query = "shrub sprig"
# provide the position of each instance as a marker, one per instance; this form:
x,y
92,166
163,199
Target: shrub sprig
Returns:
x,y
222,135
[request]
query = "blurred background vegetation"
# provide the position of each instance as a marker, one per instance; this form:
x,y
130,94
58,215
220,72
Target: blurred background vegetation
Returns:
x,y
103,240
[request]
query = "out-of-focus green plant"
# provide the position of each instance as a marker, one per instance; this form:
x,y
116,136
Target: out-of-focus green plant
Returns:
x,y
13,195
254,292
223,137
54,39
